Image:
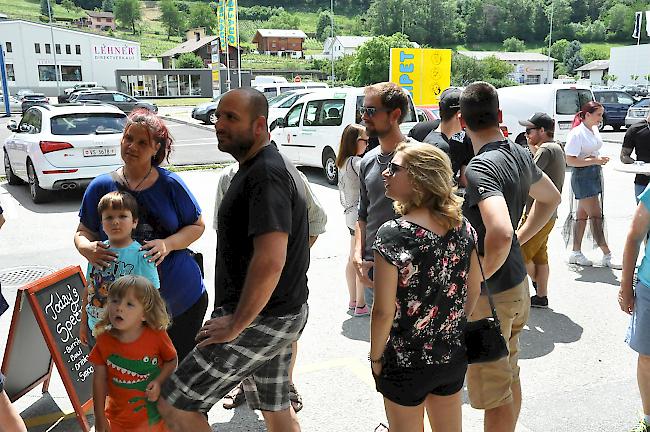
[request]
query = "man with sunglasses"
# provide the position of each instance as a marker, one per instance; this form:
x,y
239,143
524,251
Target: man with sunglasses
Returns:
x,y
385,105
499,180
549,157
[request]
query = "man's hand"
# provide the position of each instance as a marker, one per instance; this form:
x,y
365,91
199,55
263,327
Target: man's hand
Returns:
x,y
217,330
626,300
363,267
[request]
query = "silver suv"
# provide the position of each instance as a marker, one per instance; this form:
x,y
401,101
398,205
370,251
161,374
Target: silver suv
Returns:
x,y
637,112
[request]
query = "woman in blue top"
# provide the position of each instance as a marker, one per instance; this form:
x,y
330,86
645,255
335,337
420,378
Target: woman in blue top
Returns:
x,y
169,221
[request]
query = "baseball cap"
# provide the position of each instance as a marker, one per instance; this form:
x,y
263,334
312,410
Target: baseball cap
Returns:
x,y
538,120
450,99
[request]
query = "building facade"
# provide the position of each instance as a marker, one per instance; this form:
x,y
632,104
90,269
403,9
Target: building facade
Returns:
x,y
529,68
100,20
628,62
594,71
30,50
280,42
343,45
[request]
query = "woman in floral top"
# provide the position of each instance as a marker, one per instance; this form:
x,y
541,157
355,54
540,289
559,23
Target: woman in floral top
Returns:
x,y
427,281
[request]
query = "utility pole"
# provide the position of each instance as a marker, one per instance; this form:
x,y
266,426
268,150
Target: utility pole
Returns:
x,y
3,76
56,66
550,38
332,38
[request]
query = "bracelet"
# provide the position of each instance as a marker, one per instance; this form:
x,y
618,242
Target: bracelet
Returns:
x,y
379,360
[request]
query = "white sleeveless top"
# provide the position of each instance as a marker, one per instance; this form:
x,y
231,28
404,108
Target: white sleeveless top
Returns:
x,y
349,189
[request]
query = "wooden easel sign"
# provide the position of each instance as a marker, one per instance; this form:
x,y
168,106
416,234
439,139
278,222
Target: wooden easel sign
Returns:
x,y
45,330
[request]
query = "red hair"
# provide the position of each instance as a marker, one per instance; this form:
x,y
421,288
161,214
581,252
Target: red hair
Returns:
x,y
590,107
156,129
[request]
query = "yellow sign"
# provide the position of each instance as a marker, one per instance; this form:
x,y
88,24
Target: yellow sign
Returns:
x,y
423,72
231,22
221,25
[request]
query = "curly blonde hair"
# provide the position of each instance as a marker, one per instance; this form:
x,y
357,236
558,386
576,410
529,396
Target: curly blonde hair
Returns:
x,y
430,175
155,311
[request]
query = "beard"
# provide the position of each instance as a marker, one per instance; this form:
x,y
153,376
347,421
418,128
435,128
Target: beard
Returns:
x,y
238,147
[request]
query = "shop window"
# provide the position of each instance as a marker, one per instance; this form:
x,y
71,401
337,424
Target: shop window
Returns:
x,y
68,50
57,48
533,79
195,84
161,86
11,76
9,47
48,49
46,73
172,85
77,49
184,81
37,48
71,73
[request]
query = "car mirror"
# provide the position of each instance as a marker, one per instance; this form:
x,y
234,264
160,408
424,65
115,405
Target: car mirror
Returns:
x,y
280,123
12,126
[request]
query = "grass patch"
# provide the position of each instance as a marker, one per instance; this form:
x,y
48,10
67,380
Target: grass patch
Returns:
x,y
31,10
261,61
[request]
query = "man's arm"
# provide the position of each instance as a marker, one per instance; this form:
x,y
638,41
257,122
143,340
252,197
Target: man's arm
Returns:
x,y
498,233
316,215
547,198
627,148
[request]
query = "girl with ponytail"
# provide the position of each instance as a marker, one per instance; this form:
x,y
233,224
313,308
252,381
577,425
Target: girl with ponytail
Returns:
x,y
427,282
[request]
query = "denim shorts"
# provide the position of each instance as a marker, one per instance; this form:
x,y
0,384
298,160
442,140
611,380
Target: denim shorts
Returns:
x,y
587,181
638,331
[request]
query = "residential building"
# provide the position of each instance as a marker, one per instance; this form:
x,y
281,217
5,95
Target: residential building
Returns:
x,y
197,42
280,42
530,68
343,45
594,71
99,20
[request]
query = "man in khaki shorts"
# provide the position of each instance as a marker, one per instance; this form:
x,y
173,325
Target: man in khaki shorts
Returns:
x,y
499,179
549,157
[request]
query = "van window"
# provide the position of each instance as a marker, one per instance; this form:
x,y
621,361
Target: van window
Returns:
x,y
569,101
270,92
293,116
624,98
324,112
358,108
290,88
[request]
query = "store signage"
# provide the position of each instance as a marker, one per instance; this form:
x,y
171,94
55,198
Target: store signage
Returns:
x,y
114,52
423,72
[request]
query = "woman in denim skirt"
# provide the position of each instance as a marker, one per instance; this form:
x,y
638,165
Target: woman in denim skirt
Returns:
x,y
636,302
582,153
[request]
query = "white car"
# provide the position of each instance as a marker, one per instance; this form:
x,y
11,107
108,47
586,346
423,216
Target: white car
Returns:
x,y
58,147
14,104
279,105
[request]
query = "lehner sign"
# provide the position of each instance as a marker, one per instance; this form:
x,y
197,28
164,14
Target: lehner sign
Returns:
x,y
114,52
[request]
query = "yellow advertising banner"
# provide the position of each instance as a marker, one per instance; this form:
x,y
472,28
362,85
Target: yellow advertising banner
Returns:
x,y
423,72
231,22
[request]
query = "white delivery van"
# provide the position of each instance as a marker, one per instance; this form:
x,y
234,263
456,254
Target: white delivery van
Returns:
x,y
310,133
558,100
273,89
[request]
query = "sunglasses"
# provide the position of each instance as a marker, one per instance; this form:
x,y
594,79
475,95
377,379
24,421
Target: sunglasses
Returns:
x,y
371,111
363,139
393,168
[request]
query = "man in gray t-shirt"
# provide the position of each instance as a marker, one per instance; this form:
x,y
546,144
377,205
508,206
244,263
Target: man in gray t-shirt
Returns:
x,y
385,105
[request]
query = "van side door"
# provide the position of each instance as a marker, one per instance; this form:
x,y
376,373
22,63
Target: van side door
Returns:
x,y
286,137
322,128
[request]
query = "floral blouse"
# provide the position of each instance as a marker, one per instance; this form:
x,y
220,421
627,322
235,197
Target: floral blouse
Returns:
x,y
431,290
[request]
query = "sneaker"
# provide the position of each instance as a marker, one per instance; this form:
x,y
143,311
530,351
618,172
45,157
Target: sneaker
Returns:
x,y
361,311
539,302
641,427
352,305
610,262
577,257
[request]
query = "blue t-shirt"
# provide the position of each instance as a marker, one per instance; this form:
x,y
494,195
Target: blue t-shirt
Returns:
x,y
164,208
130,261
644,268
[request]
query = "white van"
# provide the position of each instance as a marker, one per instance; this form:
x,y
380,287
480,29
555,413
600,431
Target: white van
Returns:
x,y
273,89
260,80
560,101
310,133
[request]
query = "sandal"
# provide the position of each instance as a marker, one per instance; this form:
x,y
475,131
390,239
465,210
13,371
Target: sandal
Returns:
x,y
295,398
381,428
235,397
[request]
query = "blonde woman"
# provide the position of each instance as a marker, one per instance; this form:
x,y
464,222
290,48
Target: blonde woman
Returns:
x,y
427,281
354,141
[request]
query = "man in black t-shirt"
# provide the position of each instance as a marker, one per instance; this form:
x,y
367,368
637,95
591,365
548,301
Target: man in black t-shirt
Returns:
x,y
499,179
637,140
262,226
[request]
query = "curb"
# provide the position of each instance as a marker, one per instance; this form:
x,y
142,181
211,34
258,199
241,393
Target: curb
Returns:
x,y
200,126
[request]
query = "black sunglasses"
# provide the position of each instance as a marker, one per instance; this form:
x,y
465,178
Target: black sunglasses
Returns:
x,y
371,111
393,168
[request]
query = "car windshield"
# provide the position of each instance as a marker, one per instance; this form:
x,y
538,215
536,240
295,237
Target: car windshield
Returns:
x,y
569,101
87,124
642,103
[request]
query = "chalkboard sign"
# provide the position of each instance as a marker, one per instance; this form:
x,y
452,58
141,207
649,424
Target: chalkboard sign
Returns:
x,y
45,328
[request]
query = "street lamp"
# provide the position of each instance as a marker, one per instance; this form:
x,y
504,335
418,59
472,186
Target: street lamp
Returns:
x,y
332,38
56,67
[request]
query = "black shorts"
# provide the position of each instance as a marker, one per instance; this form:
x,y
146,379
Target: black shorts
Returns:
x,y
410,386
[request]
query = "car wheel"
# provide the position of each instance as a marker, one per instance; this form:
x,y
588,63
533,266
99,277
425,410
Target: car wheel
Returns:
x,y
12,178
38,194
601,125
329,166
212,117
617,127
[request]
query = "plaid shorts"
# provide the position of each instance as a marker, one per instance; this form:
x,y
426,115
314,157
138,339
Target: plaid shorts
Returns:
x,y
259,356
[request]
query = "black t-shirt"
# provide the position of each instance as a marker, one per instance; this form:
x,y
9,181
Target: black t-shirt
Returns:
x,y
263,197
460,151
504,169
637,138
439,140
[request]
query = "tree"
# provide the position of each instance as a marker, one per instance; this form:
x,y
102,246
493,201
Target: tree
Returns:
x,y
592,53
513,44
385,16
107,5
620,21
558,48
189,61
634,77
284,20
465,70
324,22
128,13
201,15
171,17
561,10
44,8
371,64
573,56
68,5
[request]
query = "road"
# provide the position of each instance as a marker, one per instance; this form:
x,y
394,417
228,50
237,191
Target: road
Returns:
x,y
577,373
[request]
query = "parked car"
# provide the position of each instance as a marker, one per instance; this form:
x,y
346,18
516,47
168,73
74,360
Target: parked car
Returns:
x,y
637,112
560,101
279,105
82,85
20,94
123,101
427,113
273,89
309,134
636,90
29,100
205,112
616,103
71,96
63,147
14,104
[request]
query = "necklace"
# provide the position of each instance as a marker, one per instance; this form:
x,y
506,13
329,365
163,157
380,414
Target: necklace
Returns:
x,y
388,157
135,189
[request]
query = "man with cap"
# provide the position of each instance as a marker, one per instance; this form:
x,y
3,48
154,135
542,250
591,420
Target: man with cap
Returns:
x,y
549,157
637,140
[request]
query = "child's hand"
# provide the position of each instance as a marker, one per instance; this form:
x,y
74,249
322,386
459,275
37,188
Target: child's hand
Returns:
x,y
153,391
83,334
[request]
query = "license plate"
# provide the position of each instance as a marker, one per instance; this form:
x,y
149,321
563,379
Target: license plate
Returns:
x,y
100,151
565,125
